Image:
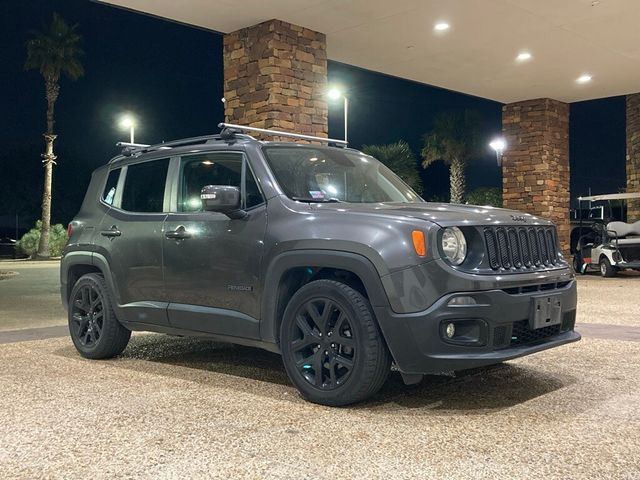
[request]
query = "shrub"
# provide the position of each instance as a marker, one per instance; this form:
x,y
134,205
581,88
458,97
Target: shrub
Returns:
x,y
28,244
485,196
400,159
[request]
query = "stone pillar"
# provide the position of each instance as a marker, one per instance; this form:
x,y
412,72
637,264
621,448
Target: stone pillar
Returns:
x,y
275,76
633,154
535,168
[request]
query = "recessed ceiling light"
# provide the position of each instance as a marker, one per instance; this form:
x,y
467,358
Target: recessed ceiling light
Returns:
x,y
585,78
523,56
441,26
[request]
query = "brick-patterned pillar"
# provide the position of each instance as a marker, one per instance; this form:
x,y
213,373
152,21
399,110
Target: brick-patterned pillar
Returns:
x,y
535,168
633,154
275,76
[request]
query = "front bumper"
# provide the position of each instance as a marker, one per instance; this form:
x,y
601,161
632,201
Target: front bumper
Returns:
x,y
418,345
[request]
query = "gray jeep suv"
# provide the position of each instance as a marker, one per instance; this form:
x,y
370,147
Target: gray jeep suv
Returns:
x,y
317,252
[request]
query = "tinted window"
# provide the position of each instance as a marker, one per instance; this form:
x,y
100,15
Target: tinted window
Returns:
x,y
215,169
109,192
144,186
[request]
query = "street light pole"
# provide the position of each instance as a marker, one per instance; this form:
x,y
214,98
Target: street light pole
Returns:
x,y
131,133
346,116
498,145
335,94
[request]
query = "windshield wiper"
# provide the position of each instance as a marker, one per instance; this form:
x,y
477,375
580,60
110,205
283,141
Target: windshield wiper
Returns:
x,y
316,200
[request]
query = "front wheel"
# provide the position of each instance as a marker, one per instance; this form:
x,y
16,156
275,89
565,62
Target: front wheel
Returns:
x,y
332,348
606,269
93,326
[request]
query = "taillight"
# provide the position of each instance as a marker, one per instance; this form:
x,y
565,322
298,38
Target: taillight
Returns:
x,y
69,230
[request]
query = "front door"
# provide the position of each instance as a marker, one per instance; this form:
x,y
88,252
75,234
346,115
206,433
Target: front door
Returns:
x,y
211,262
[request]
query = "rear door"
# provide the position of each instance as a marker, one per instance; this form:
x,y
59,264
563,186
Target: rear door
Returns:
x,y
212,272
130,239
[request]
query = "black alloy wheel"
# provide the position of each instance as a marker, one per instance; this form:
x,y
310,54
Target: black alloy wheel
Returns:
x,y
332,348
324,348
87,315
93,326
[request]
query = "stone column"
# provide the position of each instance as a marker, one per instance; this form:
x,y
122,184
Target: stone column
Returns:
x,y
275,76
535,168
633,154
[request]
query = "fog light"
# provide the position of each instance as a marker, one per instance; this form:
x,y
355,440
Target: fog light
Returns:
x,y
450,330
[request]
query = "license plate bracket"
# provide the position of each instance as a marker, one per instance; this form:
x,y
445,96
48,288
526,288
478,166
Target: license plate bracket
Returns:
x,y
545,311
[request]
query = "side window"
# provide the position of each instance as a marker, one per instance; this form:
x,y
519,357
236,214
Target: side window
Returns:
x,y
144,186
109,192
215,169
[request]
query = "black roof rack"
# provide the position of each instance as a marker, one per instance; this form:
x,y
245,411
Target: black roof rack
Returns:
x,y
229,132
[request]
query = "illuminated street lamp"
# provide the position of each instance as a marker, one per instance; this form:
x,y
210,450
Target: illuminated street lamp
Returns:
x,y
335,94
127,122
498,145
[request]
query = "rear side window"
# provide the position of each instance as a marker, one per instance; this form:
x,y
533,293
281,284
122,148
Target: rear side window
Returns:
x,y
144,186
109,192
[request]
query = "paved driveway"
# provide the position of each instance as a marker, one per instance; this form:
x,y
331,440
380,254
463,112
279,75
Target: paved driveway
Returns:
x,y
191,408
31,298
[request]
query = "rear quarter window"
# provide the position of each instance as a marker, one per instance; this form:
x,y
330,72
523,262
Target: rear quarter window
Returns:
x,y
109,192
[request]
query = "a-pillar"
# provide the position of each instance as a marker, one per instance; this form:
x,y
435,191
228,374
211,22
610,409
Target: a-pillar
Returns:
x,y
535,168
633,154
275,77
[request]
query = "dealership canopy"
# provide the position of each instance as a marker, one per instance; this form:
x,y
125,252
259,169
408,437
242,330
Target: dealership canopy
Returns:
x,y
506,50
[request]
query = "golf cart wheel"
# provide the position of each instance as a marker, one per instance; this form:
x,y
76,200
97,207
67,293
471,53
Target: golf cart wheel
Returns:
x,y
332,348
606,269
577,264
93,326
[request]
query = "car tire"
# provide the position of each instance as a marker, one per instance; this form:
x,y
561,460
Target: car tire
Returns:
x,y
93,326
332,348
606,269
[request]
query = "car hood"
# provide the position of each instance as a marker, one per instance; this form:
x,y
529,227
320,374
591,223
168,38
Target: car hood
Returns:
x,y
443,214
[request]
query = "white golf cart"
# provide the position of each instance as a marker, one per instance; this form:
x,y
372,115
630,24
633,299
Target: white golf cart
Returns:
x,y
603,244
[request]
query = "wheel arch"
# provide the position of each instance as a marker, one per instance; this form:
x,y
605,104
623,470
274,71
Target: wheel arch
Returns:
x,y
289,271
76,264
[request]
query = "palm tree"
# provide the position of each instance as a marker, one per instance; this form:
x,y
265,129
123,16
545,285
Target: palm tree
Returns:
x,y
54,52
454,139
399,158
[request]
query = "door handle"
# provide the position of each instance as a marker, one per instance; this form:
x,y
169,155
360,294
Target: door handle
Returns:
x,y
179,233
112,232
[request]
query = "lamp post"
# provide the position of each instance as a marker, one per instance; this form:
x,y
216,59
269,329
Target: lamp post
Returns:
x,y
498,145
335,94
127,122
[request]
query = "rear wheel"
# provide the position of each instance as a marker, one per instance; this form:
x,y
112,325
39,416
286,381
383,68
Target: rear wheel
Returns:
x,y
93,326
577,264
606,269
331,345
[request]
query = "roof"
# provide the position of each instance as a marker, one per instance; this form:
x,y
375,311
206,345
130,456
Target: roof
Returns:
x,y
611,196
476,55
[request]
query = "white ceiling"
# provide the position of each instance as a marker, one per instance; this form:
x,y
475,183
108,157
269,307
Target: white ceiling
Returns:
x,y
476,55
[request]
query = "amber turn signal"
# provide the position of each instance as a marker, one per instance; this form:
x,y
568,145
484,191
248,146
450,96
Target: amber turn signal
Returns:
x,y
419,242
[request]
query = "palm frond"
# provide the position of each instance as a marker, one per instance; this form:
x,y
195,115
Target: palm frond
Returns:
x,y
55,50
399,158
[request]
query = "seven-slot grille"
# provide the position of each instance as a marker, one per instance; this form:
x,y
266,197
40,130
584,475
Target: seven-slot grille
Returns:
x,y
521,247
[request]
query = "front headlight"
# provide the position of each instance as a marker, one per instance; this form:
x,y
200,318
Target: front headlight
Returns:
x,y
454,245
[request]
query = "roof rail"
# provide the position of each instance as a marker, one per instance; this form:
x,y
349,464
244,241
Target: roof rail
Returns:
x,y
230,129
130,149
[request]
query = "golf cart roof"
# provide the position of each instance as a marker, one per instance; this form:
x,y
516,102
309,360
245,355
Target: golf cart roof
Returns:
x,y
611,196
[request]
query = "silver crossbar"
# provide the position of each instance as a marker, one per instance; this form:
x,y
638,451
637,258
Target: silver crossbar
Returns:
x,y
242,128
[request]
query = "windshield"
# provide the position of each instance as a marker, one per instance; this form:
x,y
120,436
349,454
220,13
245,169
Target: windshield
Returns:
x,y
331,175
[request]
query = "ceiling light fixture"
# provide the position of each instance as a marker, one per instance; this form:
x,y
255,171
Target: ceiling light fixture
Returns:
x,y
523,56
585,78
441,26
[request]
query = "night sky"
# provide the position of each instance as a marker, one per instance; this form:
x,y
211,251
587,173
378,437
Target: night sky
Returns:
x,y
170,76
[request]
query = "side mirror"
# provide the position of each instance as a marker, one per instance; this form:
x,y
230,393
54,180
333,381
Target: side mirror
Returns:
x,y
222,198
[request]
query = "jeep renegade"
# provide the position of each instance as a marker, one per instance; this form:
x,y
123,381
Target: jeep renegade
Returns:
x,y
315,251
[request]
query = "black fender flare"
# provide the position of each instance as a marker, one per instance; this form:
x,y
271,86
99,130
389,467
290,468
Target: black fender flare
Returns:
x,y
353,262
